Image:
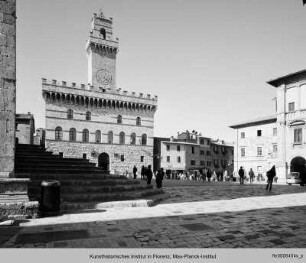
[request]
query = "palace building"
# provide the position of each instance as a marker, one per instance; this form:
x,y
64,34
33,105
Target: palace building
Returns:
x,y
99,121
279,139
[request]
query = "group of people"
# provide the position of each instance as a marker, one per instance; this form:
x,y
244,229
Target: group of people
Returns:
x,y
147,174
271,174
205,174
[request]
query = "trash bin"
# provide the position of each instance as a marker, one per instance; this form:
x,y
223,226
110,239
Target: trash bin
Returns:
x,y
50,198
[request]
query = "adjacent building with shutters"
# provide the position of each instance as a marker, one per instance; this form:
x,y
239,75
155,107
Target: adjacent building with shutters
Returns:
x,y
98,121
191,151
279,139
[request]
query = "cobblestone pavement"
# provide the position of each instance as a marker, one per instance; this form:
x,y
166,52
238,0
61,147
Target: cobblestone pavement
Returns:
x,y
217,215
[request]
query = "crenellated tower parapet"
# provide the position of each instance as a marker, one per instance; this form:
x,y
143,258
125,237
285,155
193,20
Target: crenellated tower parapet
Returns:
x,y
81,94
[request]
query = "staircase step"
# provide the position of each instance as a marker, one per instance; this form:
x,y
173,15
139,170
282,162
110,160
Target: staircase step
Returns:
x,y
112,196
97,189
58,170
70,176
54,165
85,182
96,207
53,158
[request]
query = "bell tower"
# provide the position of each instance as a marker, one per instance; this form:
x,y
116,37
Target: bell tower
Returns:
x,y
101,52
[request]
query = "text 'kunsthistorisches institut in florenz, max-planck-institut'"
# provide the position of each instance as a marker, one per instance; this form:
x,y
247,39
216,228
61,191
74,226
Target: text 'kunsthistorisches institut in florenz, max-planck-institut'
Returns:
x,y
98,121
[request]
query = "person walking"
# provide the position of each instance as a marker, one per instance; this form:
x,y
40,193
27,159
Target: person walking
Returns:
x,y
135,171
251,175
149,174
270,175
159,178
142,173
225,176
208,175
241,175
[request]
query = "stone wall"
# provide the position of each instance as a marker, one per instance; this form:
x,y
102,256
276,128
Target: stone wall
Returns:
x,y
132,154
7,86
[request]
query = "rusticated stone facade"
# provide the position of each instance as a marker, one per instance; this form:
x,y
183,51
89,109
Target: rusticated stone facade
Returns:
x,y
109,126
7,86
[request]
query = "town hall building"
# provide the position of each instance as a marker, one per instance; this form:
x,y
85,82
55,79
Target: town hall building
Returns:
x,y
99,121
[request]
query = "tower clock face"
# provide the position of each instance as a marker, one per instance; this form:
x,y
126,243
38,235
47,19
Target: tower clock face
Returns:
x,y
104,77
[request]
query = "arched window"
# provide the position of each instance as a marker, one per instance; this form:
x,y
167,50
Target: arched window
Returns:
x,y
110,137
72,135
88,116
58,134
70,114
98,136
121,138
133,138
119,119
85,136
138,121
144,139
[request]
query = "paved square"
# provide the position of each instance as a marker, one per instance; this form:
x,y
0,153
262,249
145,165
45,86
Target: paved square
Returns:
x,y
193,217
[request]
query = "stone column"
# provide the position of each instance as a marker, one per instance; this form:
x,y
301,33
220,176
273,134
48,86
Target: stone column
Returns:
x,y
7,86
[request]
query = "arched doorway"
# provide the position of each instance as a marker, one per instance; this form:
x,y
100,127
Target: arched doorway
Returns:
x,y
297,164
103,161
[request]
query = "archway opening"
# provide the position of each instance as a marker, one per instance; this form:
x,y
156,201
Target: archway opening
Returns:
x,y
103,161
297,164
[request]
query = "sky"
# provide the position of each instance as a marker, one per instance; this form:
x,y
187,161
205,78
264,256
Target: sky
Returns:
x,y
208,61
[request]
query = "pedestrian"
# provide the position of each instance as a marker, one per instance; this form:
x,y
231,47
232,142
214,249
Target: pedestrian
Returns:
x,y
214,176
159,178
270,175
149,174
303,176
241,175
203,174
225,175
208,175
251,175
135,171
142,173
168,173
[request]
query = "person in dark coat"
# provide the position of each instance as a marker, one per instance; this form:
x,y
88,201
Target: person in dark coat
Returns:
x,y
252,175
143,173
159,178
303,176
241,175
270,175
149,174
135,171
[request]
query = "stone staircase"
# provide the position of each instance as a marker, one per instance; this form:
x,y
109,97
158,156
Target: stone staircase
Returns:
x,y
83,185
